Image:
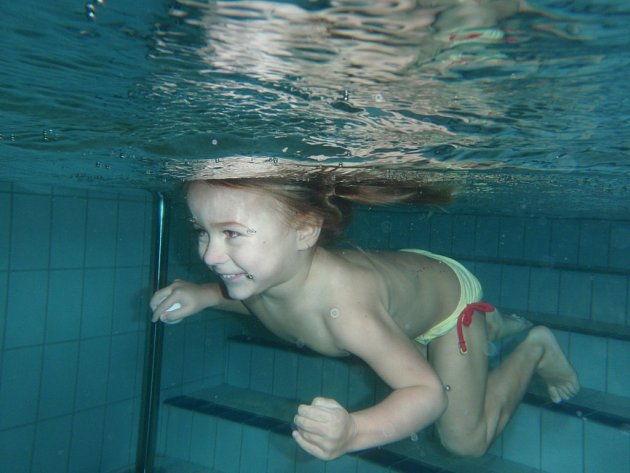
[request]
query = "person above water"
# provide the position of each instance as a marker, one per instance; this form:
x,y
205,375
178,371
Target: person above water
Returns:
x,y
414,317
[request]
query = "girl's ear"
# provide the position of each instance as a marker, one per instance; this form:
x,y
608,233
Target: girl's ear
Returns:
x,y
308,234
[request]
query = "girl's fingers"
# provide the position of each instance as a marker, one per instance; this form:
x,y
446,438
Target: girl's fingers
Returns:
x,y
172,312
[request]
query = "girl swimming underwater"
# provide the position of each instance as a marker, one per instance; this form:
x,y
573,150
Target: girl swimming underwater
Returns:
x,y
415,318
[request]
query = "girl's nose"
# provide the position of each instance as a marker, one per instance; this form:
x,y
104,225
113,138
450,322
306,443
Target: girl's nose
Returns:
x,y
212,253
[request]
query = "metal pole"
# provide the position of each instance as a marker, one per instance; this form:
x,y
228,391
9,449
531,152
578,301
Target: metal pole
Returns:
x,y
147,434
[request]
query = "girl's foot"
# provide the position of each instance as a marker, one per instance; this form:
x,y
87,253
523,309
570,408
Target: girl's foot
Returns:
x,y
553,367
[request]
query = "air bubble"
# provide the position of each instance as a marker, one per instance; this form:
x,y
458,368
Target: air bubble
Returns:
x,y
214,142
90,11
414,437
334,312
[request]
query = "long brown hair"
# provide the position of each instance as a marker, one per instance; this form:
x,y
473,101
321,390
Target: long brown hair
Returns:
x,y
320,199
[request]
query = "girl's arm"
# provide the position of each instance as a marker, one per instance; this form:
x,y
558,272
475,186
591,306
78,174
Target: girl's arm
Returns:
x,y
327,430
182,298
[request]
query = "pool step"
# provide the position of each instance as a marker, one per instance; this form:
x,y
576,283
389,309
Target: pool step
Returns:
x,y
593,427
241,430
247,422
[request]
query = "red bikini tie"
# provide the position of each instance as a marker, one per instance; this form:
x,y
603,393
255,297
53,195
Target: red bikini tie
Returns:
x,y
465,318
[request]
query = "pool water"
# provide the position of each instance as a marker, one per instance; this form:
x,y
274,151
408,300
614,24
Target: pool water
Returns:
x,y
530,104
522,108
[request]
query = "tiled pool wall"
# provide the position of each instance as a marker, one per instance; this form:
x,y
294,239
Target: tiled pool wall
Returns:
x,y
73,293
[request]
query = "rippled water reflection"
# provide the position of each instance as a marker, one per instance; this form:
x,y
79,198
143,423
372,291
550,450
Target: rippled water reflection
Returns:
x,y
493,95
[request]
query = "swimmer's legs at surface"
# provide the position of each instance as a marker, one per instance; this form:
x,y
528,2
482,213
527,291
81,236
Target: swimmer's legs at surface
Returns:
x,y
481,402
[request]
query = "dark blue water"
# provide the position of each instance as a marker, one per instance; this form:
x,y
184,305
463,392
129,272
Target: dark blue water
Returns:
x,y
523,110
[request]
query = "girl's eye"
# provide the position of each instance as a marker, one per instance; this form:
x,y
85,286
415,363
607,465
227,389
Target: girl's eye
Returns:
x,y
200,233
231,234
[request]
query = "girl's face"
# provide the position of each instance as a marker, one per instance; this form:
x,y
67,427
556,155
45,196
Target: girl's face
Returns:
x,y
245,239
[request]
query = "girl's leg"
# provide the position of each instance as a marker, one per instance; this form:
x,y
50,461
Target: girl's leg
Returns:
x,y
482,402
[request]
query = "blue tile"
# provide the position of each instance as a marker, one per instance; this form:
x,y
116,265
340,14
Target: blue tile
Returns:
x,y
364,466
255,449
619,245
512,238
92,373
30,232
98,302
58,379
132,237
239,364
58,191
521,438
52,445
173,356
282,452
588,357
179,433
4,277
565,241
360,387
575,294
441,234
345,464
261,378
537,239
307,463
203,438
399,237
489,276
87,437
617,372
563,340
562,441
16,449
122,382
128,313
65,296
228,445
309,381
19,390
487,238
594,243
378,231
606,449
356,232
419,231
610,293
118,447
215,353
67,247
194,352
5,225
26,314
464,235
335,380
285,367
544,286
514,287
100,249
